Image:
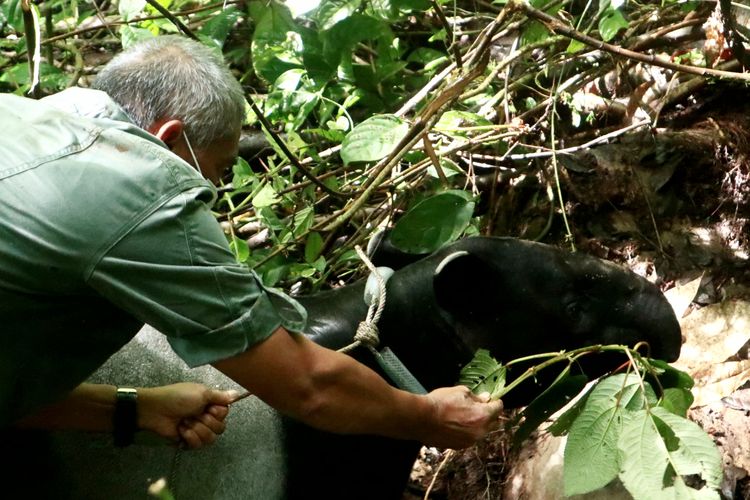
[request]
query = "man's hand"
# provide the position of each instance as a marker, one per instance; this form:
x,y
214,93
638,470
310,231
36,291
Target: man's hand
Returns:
x,y
189,412
461,418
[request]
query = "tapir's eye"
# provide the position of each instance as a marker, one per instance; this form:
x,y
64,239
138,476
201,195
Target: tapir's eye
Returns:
x,y
573,310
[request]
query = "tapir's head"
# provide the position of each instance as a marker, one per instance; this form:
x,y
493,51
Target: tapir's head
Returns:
x,y
528,296
518,298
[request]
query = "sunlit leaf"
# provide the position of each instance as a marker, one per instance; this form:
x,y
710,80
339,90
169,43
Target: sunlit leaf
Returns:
x,y
265,197
333,11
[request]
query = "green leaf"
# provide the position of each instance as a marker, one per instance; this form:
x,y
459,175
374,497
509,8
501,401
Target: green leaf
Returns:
x,y
302,221
240,249
373,139
591,453
339,42
697,453
564,422
313,247
483,374
333,11
411,5
265,197
658,447
433,222
669,376
644,456
677,401
575,46
243,174
611,23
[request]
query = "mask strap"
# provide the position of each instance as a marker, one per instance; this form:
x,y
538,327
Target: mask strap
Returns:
x,y
192,153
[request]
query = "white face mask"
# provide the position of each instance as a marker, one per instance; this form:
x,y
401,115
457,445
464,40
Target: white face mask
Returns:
x,y
192,153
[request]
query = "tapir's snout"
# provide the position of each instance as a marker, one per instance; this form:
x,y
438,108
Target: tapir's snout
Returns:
x,y
664,332
652,319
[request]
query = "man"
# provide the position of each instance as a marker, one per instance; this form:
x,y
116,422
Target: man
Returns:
x,y
105,224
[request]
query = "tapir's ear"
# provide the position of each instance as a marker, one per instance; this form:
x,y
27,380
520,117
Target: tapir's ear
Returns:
x,y
463,284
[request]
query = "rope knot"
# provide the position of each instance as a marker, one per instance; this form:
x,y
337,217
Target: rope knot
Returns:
x,y
367,334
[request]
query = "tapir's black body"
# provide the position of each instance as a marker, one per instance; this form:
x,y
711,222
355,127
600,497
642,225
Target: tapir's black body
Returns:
x,y
512,297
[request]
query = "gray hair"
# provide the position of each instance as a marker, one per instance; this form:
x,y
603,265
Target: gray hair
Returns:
x,y
172,77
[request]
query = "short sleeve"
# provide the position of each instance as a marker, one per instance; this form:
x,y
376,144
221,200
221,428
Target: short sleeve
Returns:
x,y
175,271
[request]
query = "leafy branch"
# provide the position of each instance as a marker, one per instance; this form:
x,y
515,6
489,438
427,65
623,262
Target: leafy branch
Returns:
x,y
618,428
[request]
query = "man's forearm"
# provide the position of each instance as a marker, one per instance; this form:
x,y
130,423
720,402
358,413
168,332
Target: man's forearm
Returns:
x,y
89,407
328,390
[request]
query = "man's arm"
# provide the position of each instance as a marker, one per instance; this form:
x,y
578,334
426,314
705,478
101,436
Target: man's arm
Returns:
x,y
187,411
333,392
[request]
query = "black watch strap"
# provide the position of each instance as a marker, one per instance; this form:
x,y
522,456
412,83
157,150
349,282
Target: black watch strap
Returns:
x,y
125,419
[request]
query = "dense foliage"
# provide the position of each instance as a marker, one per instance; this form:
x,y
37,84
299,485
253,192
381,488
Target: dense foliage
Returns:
x,y
376,108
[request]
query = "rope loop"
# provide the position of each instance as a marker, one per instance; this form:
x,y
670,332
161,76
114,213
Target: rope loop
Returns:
x,y
367,331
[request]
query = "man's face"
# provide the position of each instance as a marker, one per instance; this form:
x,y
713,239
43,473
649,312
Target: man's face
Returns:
x,y
214,160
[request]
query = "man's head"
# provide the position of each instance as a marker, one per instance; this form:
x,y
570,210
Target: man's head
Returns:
x,y
182,92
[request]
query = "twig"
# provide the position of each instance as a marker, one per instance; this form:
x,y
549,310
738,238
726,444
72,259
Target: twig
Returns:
x,y
453,46
434,158
180,25
448,456
573,149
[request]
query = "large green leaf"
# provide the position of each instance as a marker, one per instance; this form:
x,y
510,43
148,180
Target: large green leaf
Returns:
x,y
696,453
591,453
658,447
373,139
644,456
433,222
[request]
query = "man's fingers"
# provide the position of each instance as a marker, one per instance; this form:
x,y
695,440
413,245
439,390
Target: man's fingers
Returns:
x,y
196,434
219,412
217,397
215,425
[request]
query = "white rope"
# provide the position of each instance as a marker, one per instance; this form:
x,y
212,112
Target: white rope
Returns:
x,y
367,331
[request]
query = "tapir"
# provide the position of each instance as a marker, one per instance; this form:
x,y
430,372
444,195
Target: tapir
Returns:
x,y
512,297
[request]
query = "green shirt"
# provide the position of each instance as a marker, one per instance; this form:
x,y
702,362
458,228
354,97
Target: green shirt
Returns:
x,y
103,229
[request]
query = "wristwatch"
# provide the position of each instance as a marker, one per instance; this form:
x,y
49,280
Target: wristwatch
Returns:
x,y
125,418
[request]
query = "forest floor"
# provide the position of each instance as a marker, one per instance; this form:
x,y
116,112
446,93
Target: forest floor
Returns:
x,y
672,204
